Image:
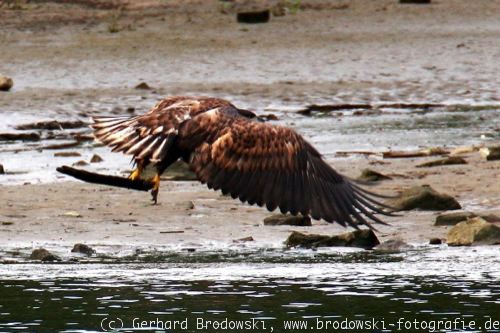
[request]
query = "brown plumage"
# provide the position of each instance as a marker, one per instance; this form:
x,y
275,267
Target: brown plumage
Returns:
x,y
258,163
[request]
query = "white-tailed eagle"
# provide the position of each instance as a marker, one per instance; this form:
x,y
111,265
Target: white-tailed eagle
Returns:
x,y
230,150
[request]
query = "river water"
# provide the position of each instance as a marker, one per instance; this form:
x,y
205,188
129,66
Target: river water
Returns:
x,y
427,289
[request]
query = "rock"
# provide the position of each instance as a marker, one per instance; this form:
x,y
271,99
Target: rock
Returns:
x,y
180,171
393,245
67,154
424,197
82,248
2,170
96,159
19,136
370,175
445,161
244,239
189,205
7,223
450,219
143,86
475,231
435,241
5,83
72,214
288,219
364,238
252,17
490,153
43,255
453,218
80,163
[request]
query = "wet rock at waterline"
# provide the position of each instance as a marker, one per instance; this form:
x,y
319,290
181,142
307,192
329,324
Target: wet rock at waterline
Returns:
x,y
364,238
393,245
82,248
2,170
370,175
475,231
490,153
43,255
435,241
452,160
450,219
424,197
5,83
288,219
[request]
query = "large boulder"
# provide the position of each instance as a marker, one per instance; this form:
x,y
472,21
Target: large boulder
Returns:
x,y
364,238
474,231
5,83
43,255
288,219
454,218
83,249
424,197
490,153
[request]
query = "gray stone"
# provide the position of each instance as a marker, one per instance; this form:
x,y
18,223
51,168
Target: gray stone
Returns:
x,y
287,219
475,231
364,238
424,197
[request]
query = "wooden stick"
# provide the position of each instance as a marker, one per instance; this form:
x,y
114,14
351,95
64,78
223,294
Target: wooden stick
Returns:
x,y
96,178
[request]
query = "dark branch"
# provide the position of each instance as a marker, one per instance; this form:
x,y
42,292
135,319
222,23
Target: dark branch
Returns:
x,y
92,177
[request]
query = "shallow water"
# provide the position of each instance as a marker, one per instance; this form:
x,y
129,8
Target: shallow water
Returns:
x,y
271,288
391,129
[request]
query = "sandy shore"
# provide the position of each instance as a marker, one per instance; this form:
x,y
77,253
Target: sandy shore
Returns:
x,y
66,63
188,214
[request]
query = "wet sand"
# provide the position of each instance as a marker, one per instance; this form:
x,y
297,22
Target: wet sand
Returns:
x,y
365,52
189,215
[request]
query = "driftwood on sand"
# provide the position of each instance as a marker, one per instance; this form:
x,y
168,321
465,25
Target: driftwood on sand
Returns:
x,y
97,178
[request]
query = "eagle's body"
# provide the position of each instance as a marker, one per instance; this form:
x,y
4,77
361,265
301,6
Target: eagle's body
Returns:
x,y
230,151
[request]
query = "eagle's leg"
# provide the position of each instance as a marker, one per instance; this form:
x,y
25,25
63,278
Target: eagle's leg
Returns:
x,y
160,168
156,188
136,174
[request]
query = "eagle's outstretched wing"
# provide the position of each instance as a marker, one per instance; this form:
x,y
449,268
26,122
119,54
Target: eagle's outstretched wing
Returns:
x,y
150,136
274,166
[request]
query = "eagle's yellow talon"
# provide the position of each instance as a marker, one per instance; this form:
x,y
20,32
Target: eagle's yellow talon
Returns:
x,y
136,174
